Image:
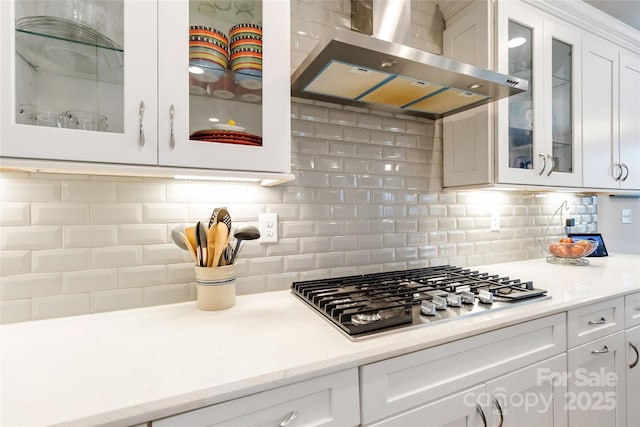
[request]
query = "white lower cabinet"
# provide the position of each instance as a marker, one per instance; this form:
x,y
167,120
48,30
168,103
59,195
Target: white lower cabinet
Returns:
x,y
403,390
633,376
330,400
596,390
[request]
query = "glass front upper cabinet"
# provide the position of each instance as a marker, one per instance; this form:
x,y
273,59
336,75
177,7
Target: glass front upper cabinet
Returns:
x,y
521,117
69,64
562,106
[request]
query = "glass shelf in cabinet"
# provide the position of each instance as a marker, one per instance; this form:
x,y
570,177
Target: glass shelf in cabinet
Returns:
x,y
63,56
229,85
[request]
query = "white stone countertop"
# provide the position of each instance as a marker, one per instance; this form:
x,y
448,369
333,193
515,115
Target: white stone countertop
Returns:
x,y
132,366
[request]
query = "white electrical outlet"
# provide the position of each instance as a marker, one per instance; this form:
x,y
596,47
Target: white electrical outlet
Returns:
x,y
495,221
268,224
626,216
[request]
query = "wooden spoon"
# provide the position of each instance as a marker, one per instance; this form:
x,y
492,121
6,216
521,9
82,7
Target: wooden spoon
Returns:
x,y
190,248
220,242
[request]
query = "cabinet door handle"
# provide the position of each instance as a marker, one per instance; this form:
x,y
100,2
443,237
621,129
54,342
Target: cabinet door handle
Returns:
x,y
603,350
499,408
552,164
141,120
637,308
626,175
544,164
482,416
172,115
635,362
600,321
619,169
287,420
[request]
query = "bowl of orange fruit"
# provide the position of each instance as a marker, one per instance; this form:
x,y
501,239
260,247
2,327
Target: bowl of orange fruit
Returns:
x,y
568,248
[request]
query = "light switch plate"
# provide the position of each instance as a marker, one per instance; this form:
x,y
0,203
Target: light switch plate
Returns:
x,y
495,220
268,223
626,216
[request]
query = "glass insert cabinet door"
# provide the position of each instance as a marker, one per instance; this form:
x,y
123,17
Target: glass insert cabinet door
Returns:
x,y
225,86
79,80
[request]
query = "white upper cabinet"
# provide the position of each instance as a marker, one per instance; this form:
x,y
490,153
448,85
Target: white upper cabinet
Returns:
x,y
79,89
610,116
531,138
179,85
538,141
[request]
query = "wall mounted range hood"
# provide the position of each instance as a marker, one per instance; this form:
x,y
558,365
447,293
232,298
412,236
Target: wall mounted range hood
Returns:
x,y
372,65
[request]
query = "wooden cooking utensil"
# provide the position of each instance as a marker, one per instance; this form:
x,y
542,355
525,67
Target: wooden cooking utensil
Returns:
x,y
191,236
211,243
220,242
189,246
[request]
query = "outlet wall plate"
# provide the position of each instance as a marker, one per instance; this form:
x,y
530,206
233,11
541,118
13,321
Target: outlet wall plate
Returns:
x,y
268,225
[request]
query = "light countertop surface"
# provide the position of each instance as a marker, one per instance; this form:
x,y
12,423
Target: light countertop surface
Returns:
x,y
132,366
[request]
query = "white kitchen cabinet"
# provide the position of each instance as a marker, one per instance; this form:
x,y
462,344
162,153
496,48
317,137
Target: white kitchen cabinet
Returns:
x,y
632,310
531,138
593,321
610,115
330,400
391,389
596,392
633,376
137,101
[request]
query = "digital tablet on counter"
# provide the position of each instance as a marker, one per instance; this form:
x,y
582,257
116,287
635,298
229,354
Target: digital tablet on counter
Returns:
x,y
600,251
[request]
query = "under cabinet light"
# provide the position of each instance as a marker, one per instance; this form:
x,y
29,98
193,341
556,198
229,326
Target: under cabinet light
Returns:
x,y
215,178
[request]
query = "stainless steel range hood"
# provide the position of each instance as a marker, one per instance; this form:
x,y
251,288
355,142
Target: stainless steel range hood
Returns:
x,y
378,69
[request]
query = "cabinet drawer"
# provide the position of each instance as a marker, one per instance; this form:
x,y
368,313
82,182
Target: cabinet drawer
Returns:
x,y
330,400
632,310
401,383
595,321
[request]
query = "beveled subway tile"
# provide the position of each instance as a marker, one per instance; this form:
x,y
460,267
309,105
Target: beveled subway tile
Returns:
x,y
284,247
406,225
301,128
30,190
343,149
356,196
366,151
117,299
368,211
343,180
251,285
371,241
313,146
342,117
155,213
369,121
381,167
356,135
89,236
357,227
418,238
381,256
313,112
344,212
75,282
294,263
180,273
314,179
13,311
328,228
329,259
329,195
88,191
280,282
406,169
315,244
315,212
15,213
142,234
356,165
141,276
54,260
386,225
409,253
406,141
394,240
297,194
369,181
445,224
167,253
60,306
393,125
329,131
116,256
298,228
141,192
355,258
330,164
394,153
165,294
344,243
60,213
15,262
29,285
382,137
116,213
383,196
394,182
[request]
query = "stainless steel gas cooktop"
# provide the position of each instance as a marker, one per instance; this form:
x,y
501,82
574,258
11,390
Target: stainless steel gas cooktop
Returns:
x,y
370,304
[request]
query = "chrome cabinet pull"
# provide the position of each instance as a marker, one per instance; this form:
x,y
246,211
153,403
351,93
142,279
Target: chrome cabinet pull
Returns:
x,y
637,308
544,165
635,349
482,416
600,321
497,405
287,420
619,167
552,164
603,350
626,169
172,115
141,119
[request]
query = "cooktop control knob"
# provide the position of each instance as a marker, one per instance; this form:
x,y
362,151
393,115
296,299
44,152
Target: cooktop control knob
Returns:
x,y
485,296
454,300
467,297
440,302
428,308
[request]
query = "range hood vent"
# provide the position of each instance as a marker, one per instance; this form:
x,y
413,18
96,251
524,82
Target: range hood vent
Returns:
x,y
379,70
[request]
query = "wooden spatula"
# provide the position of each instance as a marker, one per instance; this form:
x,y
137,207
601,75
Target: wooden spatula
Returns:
x,y
220,242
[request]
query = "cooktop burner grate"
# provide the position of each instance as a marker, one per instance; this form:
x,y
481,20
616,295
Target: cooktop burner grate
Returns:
x,y
364,304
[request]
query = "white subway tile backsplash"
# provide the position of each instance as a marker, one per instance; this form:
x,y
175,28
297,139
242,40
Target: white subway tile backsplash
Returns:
x,y
165,294
353,134
313,179
141,276
12,311
294,263
60,306
180,273
30,190
327,260
355,258
116,256
88,191
267,265
344,212
313,113
369,151
314,244
251,285
89,236
394,240
383,226
314,212
60,213
371,241
282,281
383,137
29,285
344,243
75,282
53,260
368,121
344,180
284,247
141,192
167,253
143,234
313,146
343,149
328,164
28,238
328,131
117,299
15,213
15,262
116,213
328,228
162,213
357,227
407,254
